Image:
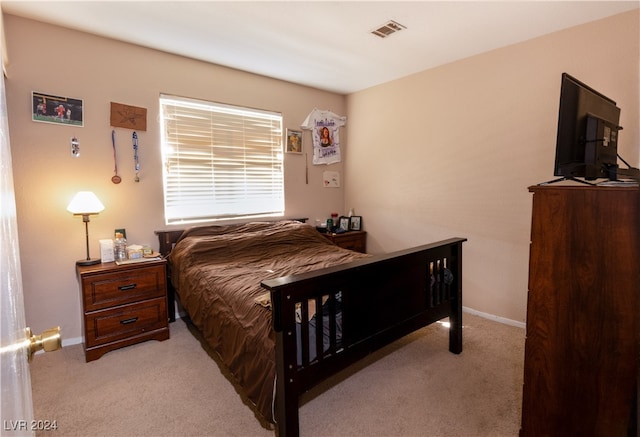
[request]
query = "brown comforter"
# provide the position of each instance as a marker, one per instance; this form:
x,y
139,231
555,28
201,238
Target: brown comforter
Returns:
x,y
217,272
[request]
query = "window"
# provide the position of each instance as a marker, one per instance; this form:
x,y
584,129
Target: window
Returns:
x,y
220,161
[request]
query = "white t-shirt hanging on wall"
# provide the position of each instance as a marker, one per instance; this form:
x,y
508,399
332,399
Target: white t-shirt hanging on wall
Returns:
x,y
325,135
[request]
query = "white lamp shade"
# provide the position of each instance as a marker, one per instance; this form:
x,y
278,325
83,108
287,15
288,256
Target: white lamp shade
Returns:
x,y
85,202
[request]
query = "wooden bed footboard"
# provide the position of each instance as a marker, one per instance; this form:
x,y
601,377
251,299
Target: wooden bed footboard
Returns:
x,y
326,320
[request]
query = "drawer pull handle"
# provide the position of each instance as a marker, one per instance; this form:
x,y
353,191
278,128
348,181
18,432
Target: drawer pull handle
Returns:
x,y
127,321
127,287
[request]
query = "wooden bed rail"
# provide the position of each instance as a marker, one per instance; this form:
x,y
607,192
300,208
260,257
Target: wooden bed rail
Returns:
x,y
382,298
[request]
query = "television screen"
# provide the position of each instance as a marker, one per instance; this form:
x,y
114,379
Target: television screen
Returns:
x,y
588,124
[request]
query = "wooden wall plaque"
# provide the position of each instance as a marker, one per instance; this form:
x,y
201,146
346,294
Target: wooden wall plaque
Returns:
x,y
129,117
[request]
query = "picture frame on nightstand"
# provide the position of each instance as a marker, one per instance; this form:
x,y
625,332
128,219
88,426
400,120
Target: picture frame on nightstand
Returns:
x,y
355,223
344,223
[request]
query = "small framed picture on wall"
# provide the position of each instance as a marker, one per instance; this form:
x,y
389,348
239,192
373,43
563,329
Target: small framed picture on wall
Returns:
x,y
355,223
294,141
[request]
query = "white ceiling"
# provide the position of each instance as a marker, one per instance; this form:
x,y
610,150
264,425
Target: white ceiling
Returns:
x,y
323,44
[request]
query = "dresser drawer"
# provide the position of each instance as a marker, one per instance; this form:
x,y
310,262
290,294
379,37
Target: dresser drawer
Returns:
x,y
123,286
125,321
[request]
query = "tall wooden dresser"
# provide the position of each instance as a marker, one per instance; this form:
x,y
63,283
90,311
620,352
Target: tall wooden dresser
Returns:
x,y
582,341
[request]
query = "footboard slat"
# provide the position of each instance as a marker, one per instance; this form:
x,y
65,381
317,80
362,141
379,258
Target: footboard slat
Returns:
x,y
333,341
304,333
382,298
319,319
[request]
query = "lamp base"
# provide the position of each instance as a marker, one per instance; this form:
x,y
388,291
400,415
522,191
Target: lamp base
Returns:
x,y
88,262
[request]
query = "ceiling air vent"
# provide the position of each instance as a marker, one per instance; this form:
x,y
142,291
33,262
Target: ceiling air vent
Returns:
x,y
389,28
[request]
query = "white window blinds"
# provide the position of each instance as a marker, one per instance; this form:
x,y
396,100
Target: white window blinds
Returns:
x,y
220,161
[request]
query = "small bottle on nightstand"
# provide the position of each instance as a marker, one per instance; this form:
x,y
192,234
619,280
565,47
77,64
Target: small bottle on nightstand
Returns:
x,y
120,247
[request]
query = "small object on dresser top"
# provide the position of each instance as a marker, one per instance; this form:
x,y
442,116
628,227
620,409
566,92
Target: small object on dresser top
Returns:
x,y
138,260
153,255
106,250
120,247
618,183
134,251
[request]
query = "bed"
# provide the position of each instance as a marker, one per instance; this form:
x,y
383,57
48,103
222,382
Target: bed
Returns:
x,y
284,308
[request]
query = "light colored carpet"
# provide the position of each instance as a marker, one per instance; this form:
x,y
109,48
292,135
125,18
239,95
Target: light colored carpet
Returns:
x,y
414,387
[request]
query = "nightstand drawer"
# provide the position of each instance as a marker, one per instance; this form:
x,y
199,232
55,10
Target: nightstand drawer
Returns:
x,y
117,288
354,244
125,321
352,240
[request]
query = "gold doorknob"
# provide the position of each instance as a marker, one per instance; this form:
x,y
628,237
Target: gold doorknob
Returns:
x,y
50,340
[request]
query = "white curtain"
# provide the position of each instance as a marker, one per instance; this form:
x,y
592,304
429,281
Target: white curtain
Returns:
x,y
17,405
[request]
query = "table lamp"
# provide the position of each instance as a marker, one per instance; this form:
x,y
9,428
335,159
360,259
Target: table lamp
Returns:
x,y
85,203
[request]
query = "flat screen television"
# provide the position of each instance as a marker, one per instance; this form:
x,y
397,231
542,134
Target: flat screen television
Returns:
x,y
588,125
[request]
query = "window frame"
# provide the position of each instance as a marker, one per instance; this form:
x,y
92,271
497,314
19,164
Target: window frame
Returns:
x,y
220,161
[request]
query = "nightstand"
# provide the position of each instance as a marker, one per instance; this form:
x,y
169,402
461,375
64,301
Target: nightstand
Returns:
x,y
122,305
352,240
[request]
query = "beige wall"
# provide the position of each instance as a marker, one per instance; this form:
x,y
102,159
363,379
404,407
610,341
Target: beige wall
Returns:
x,y
62,62
451,151
446,152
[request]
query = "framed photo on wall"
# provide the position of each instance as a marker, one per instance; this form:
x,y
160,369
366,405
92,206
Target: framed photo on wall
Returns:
x,y
294,141
355,223
47,108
